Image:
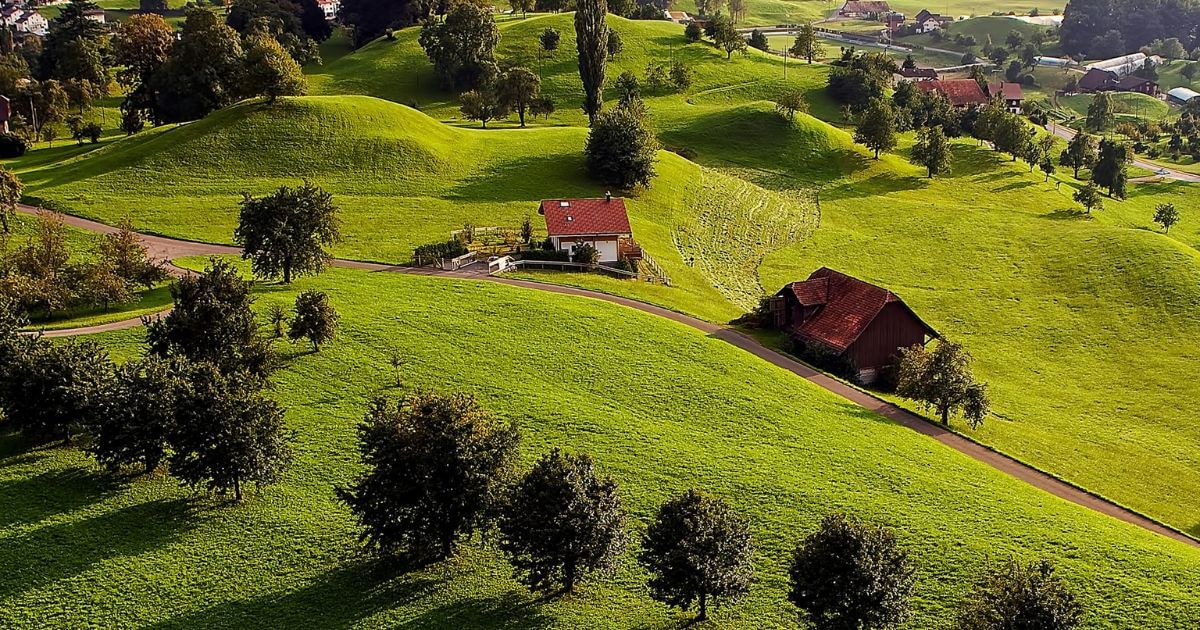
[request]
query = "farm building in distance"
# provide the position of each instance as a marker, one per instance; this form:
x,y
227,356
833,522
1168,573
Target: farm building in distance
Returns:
x,y
601,223
1181,95
1011,93
865,9
960,92
915,74
1134,83
834,313
1125,65
1097,80
927,22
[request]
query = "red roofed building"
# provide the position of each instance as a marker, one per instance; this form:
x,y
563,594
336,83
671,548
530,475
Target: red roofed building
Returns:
x,y
601,223
848,318
1010,92
960,92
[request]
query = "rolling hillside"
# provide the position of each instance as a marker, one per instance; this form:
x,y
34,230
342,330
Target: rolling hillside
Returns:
x,y
661,407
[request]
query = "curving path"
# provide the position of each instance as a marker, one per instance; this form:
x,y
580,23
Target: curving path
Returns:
x,y
168,248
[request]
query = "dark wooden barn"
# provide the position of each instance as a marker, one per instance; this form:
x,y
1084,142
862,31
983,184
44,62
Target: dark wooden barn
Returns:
x,y
848,318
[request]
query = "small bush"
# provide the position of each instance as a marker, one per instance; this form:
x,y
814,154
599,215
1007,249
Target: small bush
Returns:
x,y
428,254
12,145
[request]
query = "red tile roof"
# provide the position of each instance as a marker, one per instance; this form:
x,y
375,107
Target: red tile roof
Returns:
x,y
1007,90
865,6
585,217
848,305
960,92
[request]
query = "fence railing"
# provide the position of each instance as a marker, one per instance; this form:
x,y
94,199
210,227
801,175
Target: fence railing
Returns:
x,y
497,267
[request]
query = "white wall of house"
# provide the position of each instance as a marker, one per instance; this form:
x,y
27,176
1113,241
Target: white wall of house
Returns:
x,y
607,248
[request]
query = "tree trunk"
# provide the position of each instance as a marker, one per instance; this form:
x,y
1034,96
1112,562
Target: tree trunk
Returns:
x,y
946,416
521,114
703,616
237,489
287,270
569,577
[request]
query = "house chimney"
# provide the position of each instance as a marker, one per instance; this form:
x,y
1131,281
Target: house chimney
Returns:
x,y
607,196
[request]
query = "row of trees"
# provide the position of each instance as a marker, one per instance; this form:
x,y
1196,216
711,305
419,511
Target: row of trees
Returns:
x,y
1108,160
194,402
42,276
440,469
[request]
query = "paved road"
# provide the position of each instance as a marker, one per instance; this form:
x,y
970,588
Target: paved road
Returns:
x,y
1067,133
169,248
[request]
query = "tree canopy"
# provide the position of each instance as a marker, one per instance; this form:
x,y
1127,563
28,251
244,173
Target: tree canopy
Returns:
x,y
286,233
591,42
462,48
941,380
621,149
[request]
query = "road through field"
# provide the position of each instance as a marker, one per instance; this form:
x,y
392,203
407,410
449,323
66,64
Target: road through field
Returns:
x,y
168,249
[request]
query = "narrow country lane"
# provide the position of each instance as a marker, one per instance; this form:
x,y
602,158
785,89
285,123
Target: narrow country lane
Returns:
x,y
1066,133
169,249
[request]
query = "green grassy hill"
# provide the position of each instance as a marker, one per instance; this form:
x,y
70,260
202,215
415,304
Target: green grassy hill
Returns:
x,y
661,407
399,71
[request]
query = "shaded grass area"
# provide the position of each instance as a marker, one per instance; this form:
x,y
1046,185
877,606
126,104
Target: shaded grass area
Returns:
x,y
661,407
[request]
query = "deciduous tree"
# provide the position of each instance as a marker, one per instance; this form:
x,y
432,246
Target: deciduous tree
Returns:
x,y
697,551
549,39
1089,197
10,194
561,523
50,391
1166,215
726,36
203,71
1100,112
790,103
141,415
942,380
436,469
807,45
932,150
876,126
621,150
759,40
1019,595
314,319
1080,153
226,433
270,71
286,233
520,88
129,257
851,574
1111,170
211,322
463,47
483,104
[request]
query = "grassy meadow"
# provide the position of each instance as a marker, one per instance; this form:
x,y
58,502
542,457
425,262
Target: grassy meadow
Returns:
x,y
85,550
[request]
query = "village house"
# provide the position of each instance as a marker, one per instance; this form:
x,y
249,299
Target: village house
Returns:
x,y
865,9
927,22
1134,83
893,21
1011,94
960,92
848,318
601,223
330,8
24,21
1097,80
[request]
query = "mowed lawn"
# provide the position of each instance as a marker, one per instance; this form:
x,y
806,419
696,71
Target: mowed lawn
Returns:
x,y
660,406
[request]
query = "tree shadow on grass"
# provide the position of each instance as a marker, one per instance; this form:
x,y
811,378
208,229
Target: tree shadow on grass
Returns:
x,y
526,178
1066,214
58,552
881,184
32,499
344,597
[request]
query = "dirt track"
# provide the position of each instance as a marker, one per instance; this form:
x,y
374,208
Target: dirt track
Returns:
x,y
169,249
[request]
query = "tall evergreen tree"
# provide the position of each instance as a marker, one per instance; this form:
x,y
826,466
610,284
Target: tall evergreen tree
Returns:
x,y
591,41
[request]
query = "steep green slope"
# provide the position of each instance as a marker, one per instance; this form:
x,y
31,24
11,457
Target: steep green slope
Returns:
x,y
660,406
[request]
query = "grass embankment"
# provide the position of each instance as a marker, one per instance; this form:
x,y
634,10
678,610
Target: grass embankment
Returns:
x,y
660,406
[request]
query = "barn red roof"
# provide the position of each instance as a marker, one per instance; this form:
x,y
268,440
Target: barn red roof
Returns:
x,y
960,92
1007,90
847,307
1097,79
585,217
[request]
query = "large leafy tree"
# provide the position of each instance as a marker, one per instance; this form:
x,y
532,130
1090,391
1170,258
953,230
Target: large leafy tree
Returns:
x,y
1018,595
137,429
227,434
315,319
620,149
1089,197
1111,170
1166,215
39,275
436,469
286,232
726,36
932,150
50,391
851,574
1100,112
463,47
941,380
520,88
297,18
562,522
591,41
270,71
807,45
129,258
140,47
697,551
203,72
212,322
875,127
1080,153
